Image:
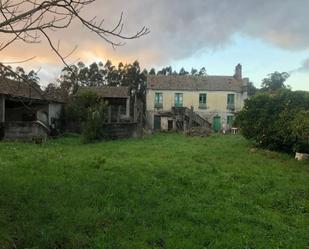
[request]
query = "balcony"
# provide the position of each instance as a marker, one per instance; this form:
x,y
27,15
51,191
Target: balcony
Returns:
x,y
158,105
178,105
231,107
202,106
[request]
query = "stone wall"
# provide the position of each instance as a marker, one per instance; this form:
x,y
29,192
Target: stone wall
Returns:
x,y
25,131
120,130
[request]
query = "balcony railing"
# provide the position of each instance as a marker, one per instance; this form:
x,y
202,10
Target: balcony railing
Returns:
x,y
158,105
231,107
202,106
178,105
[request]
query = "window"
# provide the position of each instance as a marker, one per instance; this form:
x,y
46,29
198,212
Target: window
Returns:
x,y
231,102
203,101
158,100
230,121
178,99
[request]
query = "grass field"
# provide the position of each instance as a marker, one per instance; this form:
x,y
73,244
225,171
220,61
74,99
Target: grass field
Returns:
x,y
167,191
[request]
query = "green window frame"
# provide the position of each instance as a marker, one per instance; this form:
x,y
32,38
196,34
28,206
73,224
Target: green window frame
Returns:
x,y
231,101
203,101
230,121
178,99
158,100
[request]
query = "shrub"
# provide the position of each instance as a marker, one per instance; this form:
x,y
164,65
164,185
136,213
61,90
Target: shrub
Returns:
x,y
300,127
85,112
93,126
78,106
270,119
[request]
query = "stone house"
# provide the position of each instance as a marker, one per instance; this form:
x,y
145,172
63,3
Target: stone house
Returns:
x,y
117,99
25,112
214,99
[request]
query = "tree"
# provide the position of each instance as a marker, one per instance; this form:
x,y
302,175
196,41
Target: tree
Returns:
x,y
202,72
152,71
300,127
273,121
252,90
194,71
274,81
19,74
182,71
30,20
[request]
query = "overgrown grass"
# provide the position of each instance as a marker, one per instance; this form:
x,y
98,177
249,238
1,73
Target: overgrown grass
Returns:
x,y
167,191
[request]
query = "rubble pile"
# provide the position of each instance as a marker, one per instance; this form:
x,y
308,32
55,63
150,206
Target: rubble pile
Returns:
x,y
199,131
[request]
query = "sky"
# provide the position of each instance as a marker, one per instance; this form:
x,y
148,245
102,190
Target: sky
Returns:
x,y
264,36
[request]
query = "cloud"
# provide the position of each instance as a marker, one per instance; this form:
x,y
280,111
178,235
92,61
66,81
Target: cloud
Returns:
x,y
304,68
180,29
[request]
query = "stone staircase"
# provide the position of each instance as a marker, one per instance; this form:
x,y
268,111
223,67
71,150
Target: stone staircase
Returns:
x,y
188,116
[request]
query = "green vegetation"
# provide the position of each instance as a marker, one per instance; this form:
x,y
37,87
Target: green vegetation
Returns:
x,y
166,191
277,121
88,111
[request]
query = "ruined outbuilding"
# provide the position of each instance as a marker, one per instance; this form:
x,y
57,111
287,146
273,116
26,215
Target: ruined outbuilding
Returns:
x,y
25,112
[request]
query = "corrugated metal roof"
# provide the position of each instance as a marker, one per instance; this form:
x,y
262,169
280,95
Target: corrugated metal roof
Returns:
x,y
195,83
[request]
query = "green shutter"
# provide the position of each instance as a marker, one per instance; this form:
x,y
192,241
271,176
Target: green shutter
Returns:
x,y
231,99
158,100
203,101
231,102
178,99
230,121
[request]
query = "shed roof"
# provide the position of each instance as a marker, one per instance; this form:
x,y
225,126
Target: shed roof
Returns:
x,y
20,89
195,83
107,91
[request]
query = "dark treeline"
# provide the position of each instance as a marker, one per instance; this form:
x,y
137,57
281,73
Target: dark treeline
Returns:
x,y
19,74
97,74
131,75
100,74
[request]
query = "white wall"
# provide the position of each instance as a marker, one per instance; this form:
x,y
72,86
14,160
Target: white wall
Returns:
x,y
216,104
54,111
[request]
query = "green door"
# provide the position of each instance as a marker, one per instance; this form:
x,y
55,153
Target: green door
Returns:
x,y
157,123
217,124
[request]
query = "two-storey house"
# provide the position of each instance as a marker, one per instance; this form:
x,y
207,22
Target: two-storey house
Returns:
x,y
213,98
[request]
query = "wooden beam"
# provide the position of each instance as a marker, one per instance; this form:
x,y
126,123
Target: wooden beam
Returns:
x,y
190,117
2,109
118,114
128,107
110,114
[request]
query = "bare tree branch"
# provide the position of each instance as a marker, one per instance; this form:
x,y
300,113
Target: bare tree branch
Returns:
x,y
32,20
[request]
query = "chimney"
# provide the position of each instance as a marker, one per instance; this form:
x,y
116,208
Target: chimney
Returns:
x,y
238,72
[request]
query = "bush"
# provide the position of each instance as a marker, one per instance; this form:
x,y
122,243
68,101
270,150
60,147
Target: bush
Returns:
x,y
93,126
271,119
78,106
86,114
300,127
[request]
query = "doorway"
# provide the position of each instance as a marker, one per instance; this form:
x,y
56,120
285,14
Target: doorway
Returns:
x,y
157,122
217,124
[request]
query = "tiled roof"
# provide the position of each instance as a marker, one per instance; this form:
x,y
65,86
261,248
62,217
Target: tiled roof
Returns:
x,y
107,91
20,89
195,83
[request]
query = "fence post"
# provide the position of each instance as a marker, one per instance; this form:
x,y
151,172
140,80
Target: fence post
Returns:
x,y
109,114
2,109
135,110
118,114
190,117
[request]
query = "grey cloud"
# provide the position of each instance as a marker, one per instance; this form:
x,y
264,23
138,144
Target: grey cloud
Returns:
x,y
304,68
180,28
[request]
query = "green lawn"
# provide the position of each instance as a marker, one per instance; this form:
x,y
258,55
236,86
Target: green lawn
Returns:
x,y
167,191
